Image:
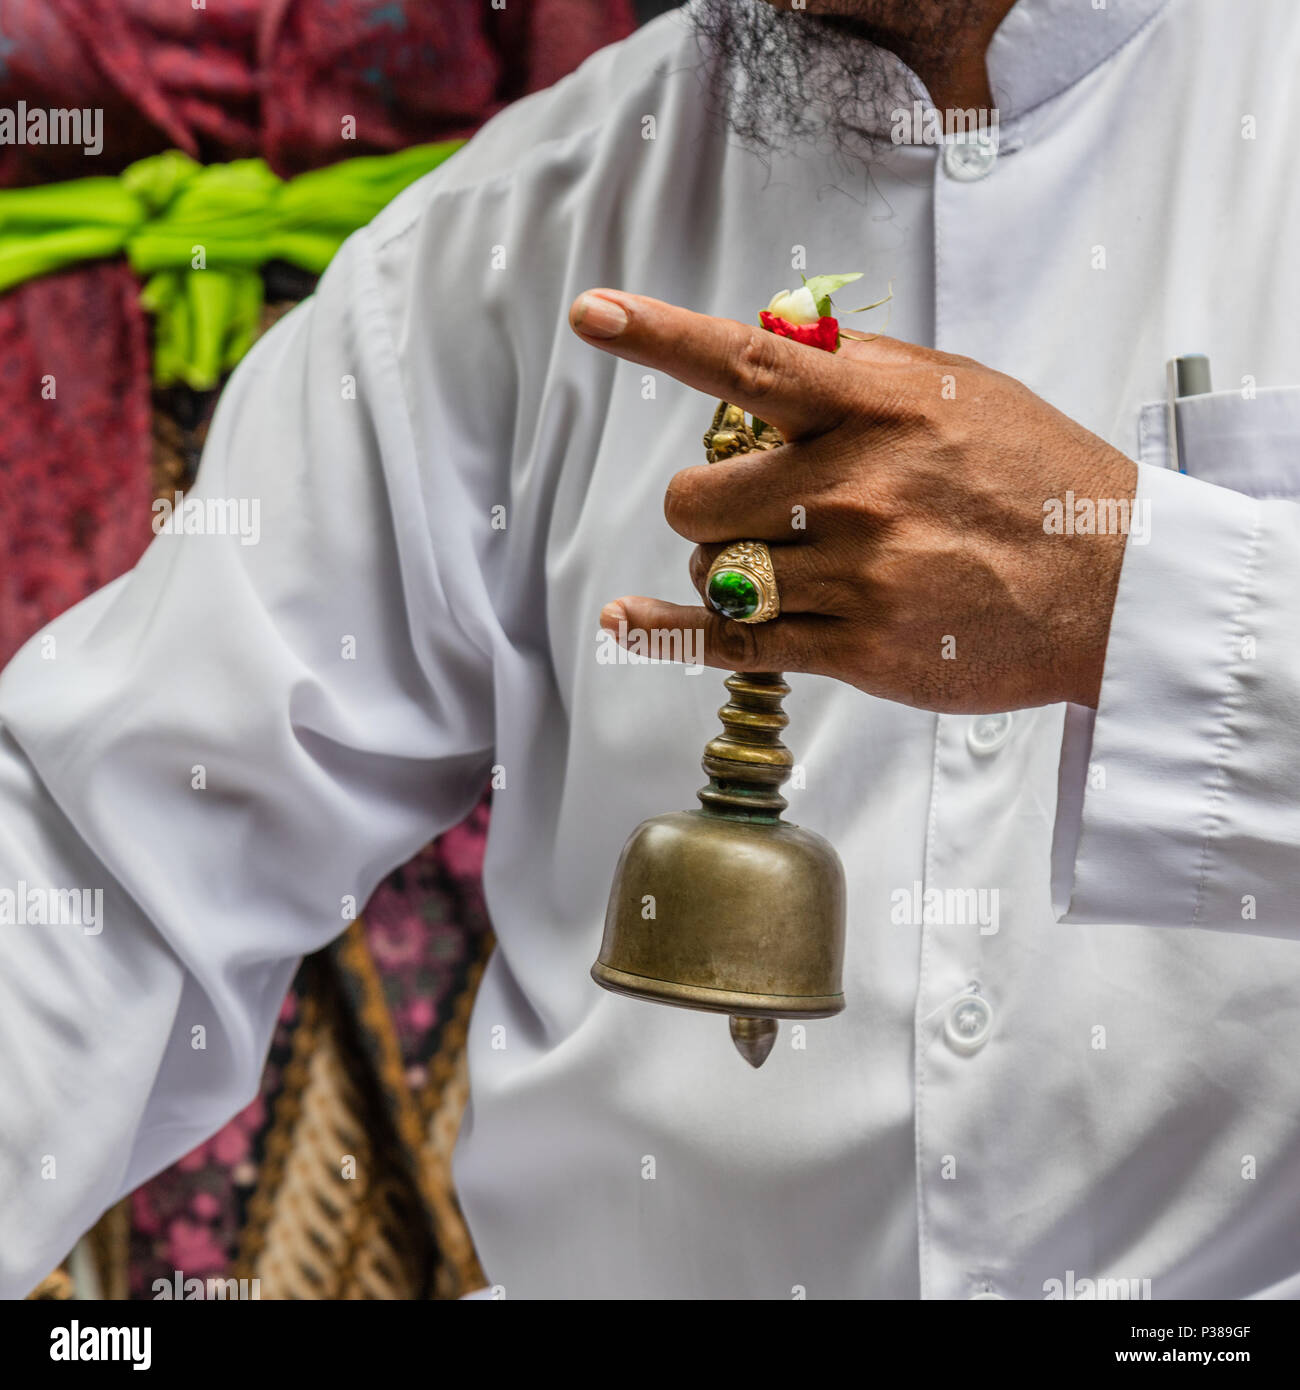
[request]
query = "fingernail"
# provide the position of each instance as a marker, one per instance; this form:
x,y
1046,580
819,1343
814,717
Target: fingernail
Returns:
x,y
612,615
597,317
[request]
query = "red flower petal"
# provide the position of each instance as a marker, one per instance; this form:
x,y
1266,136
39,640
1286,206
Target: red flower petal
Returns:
x,y
824,334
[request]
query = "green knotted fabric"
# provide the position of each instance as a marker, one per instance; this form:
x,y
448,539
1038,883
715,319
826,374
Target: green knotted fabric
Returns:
x,y
198,235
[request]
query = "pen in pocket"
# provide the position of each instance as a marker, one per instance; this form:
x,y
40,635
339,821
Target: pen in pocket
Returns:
x,y
1186,376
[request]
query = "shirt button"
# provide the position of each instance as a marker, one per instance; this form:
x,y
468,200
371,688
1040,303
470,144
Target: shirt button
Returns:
x,y
986,733
971,159
968,1023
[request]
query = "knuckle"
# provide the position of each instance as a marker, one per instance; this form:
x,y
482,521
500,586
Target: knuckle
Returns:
x,y
813,577
914,403
838,594
754,367
823,653
855,516
681,500
699,567
956,359
736,643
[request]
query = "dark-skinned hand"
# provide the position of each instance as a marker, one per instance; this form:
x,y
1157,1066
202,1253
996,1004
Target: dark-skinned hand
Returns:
x,y
904,514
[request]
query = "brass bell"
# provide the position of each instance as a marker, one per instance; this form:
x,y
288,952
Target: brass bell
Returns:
x,y
730,908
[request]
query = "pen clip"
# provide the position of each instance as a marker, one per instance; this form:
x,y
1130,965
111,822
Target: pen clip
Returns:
x,y
1188,375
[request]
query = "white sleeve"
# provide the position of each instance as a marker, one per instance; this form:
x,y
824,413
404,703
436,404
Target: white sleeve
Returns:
x,y
230,744
1180,800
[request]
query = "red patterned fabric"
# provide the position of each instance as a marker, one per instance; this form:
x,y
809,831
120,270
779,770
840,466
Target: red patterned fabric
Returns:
x,y
74,442
279,78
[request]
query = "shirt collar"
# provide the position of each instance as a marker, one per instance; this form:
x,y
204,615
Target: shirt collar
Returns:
x,y
1043,47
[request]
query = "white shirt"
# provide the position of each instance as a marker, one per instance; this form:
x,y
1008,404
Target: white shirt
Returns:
x,y
1124,1103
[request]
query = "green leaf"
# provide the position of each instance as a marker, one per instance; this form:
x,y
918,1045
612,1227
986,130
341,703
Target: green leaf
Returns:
x,y
823,286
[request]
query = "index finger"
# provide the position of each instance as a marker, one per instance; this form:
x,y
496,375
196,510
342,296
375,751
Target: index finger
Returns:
x,y
801,390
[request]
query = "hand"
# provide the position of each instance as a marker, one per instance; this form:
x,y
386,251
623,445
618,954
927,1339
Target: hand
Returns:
x,y
905,514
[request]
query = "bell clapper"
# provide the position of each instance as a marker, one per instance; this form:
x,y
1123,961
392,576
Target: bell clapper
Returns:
x,y
753,1038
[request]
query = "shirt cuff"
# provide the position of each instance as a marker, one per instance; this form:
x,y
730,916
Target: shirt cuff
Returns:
x,y
1141,781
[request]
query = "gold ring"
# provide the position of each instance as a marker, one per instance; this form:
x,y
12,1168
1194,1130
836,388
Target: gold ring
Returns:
x,y
741,583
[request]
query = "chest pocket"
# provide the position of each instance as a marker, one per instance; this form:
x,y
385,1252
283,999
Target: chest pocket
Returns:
x,y
1251,446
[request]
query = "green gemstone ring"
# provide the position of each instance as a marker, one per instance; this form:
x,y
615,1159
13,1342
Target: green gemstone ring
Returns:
x,y
741,584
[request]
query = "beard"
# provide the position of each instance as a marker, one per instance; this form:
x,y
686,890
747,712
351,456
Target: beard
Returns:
x,y
782,78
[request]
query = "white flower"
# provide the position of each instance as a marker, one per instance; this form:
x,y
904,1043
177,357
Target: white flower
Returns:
x,y
795,306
